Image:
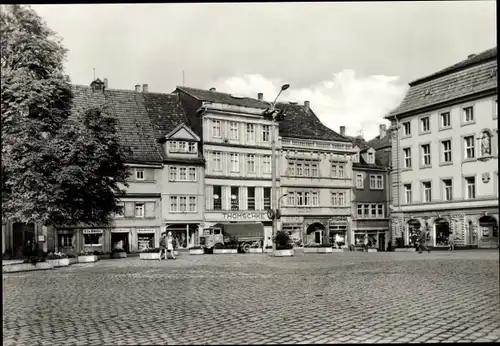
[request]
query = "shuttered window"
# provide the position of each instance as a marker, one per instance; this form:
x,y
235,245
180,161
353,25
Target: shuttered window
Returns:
x,y
129,209
150,209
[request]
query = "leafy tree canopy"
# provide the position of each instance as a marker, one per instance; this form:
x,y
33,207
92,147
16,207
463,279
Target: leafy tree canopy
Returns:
x,y
56,169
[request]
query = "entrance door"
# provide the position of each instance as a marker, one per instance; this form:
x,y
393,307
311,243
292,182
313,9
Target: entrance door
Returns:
x,y
317,237
381,242
21,234
120,240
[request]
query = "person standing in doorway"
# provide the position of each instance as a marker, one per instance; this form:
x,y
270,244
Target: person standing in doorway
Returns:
x,y
366,243
163,245
423,241
451,242
170,245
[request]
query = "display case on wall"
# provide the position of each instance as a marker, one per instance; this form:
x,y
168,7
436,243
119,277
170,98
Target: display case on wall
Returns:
x,y
145,241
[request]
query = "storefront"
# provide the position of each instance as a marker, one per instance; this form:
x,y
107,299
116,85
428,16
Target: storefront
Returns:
x,y
338,227
488,232
294,225
185,235
146,238
120,239
94,240
317,231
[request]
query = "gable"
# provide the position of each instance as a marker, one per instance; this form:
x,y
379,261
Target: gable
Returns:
x,y
182,132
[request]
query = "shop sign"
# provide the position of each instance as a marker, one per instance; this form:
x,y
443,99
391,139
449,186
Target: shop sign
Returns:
x,y
120,230
338,219
292,219
92,231
244,216
146,230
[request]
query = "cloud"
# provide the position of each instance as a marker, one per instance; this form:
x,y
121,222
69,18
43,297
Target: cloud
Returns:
x,y
359,103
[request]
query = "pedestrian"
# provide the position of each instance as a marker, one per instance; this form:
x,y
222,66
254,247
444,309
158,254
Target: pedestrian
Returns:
x,y
163,245
170,245
451,242
366,243
423,241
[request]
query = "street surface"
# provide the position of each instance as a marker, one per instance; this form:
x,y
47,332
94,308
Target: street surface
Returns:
x,y
348,297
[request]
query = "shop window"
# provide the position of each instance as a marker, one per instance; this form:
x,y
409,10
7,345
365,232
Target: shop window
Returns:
x,y
92,239
65,240
235,198
217,197
145,241
267,198
251,198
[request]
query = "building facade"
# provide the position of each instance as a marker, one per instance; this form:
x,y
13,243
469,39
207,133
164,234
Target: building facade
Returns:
x,y
445,156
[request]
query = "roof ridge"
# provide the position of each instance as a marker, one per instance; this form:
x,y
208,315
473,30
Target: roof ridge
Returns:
x,y
125,90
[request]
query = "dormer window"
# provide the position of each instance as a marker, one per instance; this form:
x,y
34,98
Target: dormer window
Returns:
x,y
355,158
370,157
192,147
182,147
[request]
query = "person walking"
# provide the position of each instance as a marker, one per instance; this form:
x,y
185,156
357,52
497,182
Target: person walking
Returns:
x,y
451,242
366,243
423,241
163,245
170,245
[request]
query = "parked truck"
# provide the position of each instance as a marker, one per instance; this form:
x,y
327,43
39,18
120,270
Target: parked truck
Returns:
x,y
241,235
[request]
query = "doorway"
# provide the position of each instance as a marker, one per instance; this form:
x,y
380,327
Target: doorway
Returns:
x,y
381,242
21,234
120,241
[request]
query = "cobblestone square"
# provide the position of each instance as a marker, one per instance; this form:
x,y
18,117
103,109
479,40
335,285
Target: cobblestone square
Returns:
x,y
253,299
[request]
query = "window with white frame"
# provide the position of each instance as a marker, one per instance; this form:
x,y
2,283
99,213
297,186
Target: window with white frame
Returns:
x,y
93,239
251,163
426,154
468,114
173,147
65,240
183,204
314,170
407,157
470,187
172,173
217,161
233,130
235,162
370,157
355,158
302,168
303,198
315,198
338,170
447,189
139,174
338,198
192,204
266,163
408,194
235,198
216,129
192,147
182,173
179,173
360,180
427,191
139,209
266,133
370,210
250,133
446,150
192,173
407,128
425,124
469,147
445,119
376,181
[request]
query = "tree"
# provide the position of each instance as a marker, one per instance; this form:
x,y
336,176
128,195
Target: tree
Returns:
x,y
56,170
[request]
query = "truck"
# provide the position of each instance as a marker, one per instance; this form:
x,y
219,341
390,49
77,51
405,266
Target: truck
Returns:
x,y
242,235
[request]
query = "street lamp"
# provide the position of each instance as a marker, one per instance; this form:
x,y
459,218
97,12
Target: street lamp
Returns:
x,y
274,190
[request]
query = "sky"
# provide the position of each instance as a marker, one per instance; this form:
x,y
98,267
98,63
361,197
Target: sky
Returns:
x,y
352,60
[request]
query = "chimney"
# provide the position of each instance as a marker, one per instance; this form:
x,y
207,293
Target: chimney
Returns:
x,y
306,103
382,130
471,56
144,88
342,130
137,88
105,83
260,96
213,89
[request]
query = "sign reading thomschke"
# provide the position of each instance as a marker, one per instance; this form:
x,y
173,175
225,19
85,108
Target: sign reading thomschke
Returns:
x,y
244,216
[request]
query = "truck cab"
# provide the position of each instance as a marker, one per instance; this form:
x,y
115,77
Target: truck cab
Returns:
x,y
211,236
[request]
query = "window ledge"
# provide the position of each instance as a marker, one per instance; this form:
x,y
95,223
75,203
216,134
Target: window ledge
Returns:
x,y
406,136
469,160
407,169
445,128
445,164
376,188
425,167
183,212
425,133
468,123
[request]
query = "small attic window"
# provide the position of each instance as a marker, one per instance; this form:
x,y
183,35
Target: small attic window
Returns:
x,y
355,158
370,157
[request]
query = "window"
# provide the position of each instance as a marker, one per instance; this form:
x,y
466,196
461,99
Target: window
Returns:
x,y
408,196
192,173
426,154
485,143
307,170
65,240
267,198
380,210
337,170
251,198
355,158
376,182
425,124
445,119
468,114
182,203
183,173
446,150
173,203
447,189
216,129
407,157
407,128
251,163
139,174
266,160
291,199
250,133
360,210
217,196
235,162
139,210
303,198
370,157
233,130
315,199
217,161
235,198
266,133
427,189
122,206
359,180
298,170
469,147
370,210
314,170
338,198
192,204
470,187
173,147
192,147
172,173
92,239
495,109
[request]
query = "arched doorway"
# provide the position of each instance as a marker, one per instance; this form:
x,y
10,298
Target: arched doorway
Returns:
x,y
315,233
441,232
488,232
412,232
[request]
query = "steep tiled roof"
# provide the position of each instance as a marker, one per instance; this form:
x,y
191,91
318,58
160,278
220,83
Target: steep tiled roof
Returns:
x,y
362,164
380,143
301,122
142,117
466,78
218,97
